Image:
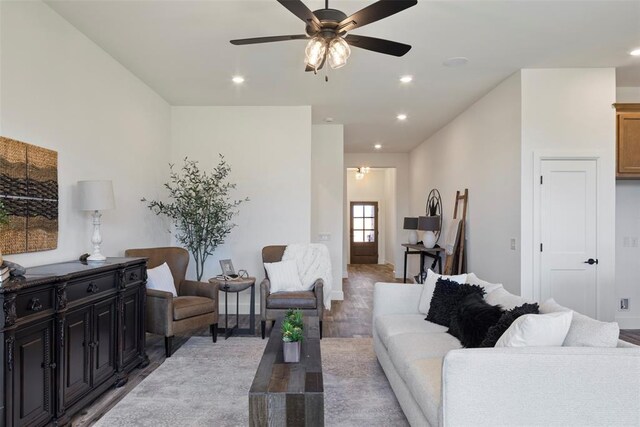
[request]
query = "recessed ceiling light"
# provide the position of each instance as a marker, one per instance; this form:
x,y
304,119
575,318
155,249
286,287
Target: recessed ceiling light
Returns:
x,y
401,117
237,79
635,52
406,79
377,146
329,120
457,61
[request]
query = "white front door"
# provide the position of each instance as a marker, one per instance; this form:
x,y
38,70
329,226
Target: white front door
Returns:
x,y
568,230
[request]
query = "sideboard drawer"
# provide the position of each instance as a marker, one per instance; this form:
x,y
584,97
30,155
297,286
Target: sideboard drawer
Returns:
x,y
34,302
90,287
134,274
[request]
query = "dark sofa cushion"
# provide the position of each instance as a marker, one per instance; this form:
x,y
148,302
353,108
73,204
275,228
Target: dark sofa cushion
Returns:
x,y
446,297
472,319
495,332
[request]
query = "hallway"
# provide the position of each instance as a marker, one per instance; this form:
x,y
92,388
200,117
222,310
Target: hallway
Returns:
x,y
352,317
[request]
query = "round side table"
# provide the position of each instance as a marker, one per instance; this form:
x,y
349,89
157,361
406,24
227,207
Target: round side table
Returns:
x,y
236,286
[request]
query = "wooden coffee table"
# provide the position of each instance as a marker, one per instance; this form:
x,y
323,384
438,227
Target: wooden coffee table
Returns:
x,y
289,394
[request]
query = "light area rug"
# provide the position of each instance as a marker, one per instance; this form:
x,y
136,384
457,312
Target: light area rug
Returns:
x,y
207,384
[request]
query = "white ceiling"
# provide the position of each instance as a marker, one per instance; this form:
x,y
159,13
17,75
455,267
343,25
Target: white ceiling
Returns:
x,y
180,49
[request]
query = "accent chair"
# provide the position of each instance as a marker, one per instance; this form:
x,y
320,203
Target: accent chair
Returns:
x,y
275,305
196,305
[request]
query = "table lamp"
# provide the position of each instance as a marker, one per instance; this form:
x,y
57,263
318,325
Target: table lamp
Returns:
x,y
411,223
95,196
429,224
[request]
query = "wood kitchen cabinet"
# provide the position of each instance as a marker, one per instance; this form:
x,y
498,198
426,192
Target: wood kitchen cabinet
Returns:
x,y
69,332
628,141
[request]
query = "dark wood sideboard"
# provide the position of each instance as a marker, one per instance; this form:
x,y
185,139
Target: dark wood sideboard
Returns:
x,y
69,332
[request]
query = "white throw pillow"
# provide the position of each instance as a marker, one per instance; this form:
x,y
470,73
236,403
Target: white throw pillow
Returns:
x,y
504,299
472,279
537,330
160,279
585,331
430,286
284,276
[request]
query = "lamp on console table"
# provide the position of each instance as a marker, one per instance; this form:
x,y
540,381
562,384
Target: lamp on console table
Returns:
x,y
429,224
411,223
95,196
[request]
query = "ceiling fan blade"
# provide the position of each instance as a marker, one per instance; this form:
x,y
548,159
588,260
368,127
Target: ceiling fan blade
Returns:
x,y
375,12
269,39
301,11
378,45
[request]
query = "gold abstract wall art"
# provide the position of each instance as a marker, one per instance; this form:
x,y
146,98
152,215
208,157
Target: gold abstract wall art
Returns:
x,y
29,191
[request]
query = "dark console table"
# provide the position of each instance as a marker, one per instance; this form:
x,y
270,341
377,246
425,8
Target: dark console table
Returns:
x,y
69,332
423,252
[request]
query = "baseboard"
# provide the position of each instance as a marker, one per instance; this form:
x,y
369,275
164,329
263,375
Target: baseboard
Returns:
x,y
628,322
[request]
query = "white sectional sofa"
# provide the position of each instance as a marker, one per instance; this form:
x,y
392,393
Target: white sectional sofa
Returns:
x,y
438,383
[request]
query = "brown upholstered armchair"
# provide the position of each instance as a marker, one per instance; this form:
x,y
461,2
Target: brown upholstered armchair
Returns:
x,y
275,305
196,305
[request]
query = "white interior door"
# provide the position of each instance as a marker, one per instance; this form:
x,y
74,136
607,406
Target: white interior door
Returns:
x,y
568,233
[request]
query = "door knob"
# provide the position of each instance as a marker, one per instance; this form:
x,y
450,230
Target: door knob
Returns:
x,y
591,261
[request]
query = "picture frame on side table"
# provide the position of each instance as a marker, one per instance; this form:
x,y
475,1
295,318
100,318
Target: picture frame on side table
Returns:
x,y
227,267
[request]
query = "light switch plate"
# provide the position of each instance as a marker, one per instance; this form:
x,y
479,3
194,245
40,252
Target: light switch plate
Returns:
x,y
324,237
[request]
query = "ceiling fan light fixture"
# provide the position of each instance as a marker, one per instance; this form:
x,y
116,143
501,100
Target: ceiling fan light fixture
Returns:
x,y
339,52
315,52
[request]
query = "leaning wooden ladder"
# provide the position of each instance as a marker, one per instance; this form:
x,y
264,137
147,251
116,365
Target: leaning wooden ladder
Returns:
x,y
456,263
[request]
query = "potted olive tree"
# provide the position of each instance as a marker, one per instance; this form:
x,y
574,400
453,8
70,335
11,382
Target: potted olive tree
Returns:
x,y
292,336
201,208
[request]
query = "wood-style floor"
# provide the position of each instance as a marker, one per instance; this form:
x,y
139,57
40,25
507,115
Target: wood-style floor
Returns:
x,y
348,318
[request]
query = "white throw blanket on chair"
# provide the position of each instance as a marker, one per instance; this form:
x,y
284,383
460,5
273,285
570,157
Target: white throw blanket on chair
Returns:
x,y
314,263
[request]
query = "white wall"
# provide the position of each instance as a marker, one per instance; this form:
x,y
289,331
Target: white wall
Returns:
x,y
628,255
391,217
269,151
478,150
399,162
327,174
628,94
568,111
372,188
61,91
627,229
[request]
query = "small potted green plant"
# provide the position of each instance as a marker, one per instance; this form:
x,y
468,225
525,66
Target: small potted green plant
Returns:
x,y
292,335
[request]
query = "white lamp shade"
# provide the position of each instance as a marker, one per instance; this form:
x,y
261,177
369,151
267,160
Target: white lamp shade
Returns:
x,y
95,195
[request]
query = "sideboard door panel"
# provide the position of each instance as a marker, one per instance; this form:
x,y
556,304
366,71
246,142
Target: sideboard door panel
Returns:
x,y
104,341
77,363
32,375
131,327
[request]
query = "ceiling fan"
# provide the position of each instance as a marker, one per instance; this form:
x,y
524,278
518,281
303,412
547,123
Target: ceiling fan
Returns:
x,y
327,29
